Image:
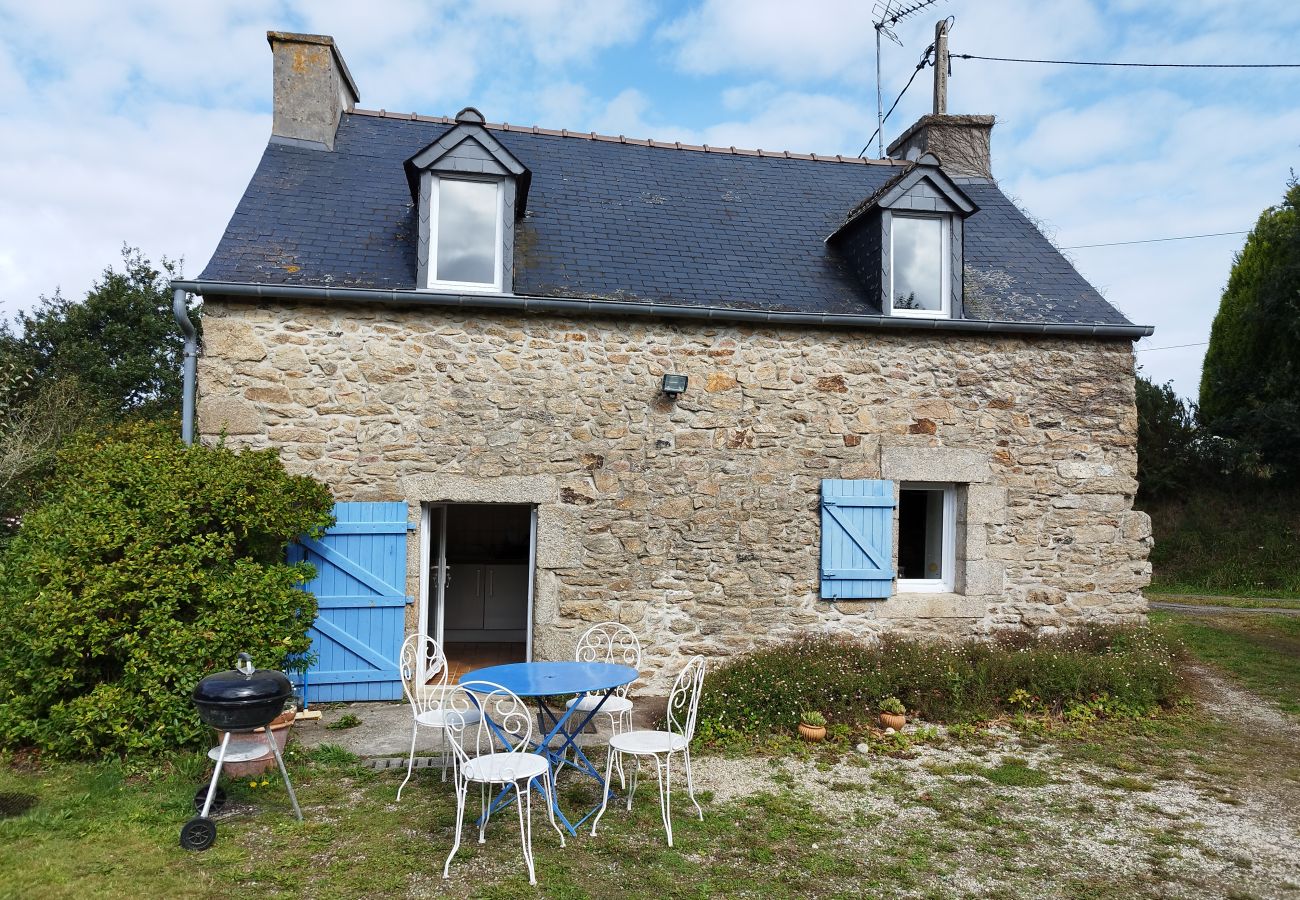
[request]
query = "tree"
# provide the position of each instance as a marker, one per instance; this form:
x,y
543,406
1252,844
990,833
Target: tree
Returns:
x,y
1250,384
148,565
1167,439
31,431
120,342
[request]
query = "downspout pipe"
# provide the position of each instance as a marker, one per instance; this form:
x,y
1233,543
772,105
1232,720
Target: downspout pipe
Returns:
x,y
575,305
181,310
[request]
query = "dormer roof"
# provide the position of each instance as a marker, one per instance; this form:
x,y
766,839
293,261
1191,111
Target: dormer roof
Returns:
x,y
469,148
922,187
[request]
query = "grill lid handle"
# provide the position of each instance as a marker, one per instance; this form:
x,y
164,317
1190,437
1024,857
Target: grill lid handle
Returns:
x,y
245,664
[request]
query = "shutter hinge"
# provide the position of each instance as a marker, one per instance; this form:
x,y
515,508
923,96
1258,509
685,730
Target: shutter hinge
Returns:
x,y
410,601
411,526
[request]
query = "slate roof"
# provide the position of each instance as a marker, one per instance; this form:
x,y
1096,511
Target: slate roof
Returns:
x,y
627,221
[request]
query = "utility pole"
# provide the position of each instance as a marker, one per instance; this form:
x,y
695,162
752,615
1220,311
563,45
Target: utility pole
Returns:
x,y
941,67
880,100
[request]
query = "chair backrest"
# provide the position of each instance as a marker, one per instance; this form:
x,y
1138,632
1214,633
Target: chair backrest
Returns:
x,y
496,719
610,642
426,695
684,701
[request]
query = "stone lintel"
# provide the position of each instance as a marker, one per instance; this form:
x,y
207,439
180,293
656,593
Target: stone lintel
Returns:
x,y
934,464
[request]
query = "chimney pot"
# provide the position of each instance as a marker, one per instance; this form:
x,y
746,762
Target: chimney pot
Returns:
x,y
960,142
312,87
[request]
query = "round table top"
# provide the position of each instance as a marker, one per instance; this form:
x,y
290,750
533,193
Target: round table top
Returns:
x,y
542,679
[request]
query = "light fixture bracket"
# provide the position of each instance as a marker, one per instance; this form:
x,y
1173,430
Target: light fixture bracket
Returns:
x,y
673,385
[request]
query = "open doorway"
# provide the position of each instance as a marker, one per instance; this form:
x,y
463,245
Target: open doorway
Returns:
x,y
480,576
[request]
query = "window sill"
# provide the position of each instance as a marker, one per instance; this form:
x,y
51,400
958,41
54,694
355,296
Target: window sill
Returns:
x,y
461,287
919,314
922,586
932,605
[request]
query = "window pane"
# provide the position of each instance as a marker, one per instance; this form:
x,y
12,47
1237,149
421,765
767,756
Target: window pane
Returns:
x,y
920,534
467,231
918,263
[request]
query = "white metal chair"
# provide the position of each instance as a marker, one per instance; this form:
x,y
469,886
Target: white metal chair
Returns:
x,y
502,733
426,697
610,642
683,704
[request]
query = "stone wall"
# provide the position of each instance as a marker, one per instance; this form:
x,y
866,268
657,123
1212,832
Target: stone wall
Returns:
x,y
697,521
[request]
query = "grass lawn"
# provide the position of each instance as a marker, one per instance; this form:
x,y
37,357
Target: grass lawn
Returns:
x,y
1189,803
1107,810
1260,651
1188,595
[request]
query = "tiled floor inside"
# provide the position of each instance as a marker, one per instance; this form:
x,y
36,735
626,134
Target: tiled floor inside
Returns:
x,y
466,657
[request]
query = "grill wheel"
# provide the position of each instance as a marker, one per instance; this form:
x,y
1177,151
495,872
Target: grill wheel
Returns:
x,y
218,799
198,833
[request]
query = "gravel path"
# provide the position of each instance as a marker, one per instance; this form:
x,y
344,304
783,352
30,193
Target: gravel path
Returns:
x,y
1189,836
1198,609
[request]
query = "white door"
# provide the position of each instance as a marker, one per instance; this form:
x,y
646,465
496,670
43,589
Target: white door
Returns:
x,y
433,572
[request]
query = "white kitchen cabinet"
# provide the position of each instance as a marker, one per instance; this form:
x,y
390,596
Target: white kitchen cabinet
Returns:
x,y
486,601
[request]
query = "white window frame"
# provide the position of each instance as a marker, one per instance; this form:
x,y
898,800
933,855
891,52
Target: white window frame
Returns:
x,y
948,550
434,198
945,270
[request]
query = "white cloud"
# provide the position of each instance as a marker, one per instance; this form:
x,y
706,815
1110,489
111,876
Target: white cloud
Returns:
x,y
563,31
826,38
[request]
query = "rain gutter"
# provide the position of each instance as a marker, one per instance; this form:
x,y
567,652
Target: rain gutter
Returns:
x,y
180,309
574,305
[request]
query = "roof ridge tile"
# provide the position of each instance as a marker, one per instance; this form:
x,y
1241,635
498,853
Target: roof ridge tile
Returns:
x,y
636,142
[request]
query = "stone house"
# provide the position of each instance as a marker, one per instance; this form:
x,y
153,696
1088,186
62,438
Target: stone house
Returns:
x,y
724,396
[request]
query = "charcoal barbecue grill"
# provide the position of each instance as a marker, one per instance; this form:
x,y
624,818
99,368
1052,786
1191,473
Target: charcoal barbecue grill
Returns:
x,y
237,702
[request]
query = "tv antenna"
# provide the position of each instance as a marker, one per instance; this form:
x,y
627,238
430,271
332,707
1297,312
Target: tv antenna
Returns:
x,y
888,13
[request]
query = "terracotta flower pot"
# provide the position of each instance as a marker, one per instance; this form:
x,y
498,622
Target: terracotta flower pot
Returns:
x,y
812,732
280,727
891,720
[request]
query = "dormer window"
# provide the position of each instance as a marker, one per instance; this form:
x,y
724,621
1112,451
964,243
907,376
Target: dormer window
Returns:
x,y
904,243
465,244
469,189
920,277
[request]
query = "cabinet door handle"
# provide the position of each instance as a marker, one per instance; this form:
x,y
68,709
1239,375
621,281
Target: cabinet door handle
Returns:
x,y
478,582
490,591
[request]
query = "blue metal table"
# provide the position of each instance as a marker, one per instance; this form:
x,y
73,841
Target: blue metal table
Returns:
x,y
543,680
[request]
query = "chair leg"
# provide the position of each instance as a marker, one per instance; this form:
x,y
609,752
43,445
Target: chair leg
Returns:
x,y
690,784
485,804
664,771
462,788
549,790
604,801
631,792
446,751
616,727
526,826
410,763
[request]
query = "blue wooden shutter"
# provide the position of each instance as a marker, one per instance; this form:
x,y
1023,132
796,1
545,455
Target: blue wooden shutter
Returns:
x,y
857,538
361,602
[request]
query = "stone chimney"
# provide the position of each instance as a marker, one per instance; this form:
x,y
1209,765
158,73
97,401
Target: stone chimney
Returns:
x,y
313,88
960,142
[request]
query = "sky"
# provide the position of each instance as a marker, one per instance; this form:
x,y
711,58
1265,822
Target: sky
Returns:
x,y
140,122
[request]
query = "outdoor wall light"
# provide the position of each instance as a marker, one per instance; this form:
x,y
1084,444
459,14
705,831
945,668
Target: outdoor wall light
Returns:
x,y
674,385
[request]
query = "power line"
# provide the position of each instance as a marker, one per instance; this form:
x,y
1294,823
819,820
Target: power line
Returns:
x,y
1181,237
919,66
1174,347
1130,65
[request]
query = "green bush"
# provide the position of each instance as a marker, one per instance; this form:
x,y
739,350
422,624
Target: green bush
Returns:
x,y
1237,538
764,691
147,566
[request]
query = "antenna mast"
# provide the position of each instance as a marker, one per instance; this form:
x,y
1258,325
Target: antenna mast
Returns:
x,y
889,13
